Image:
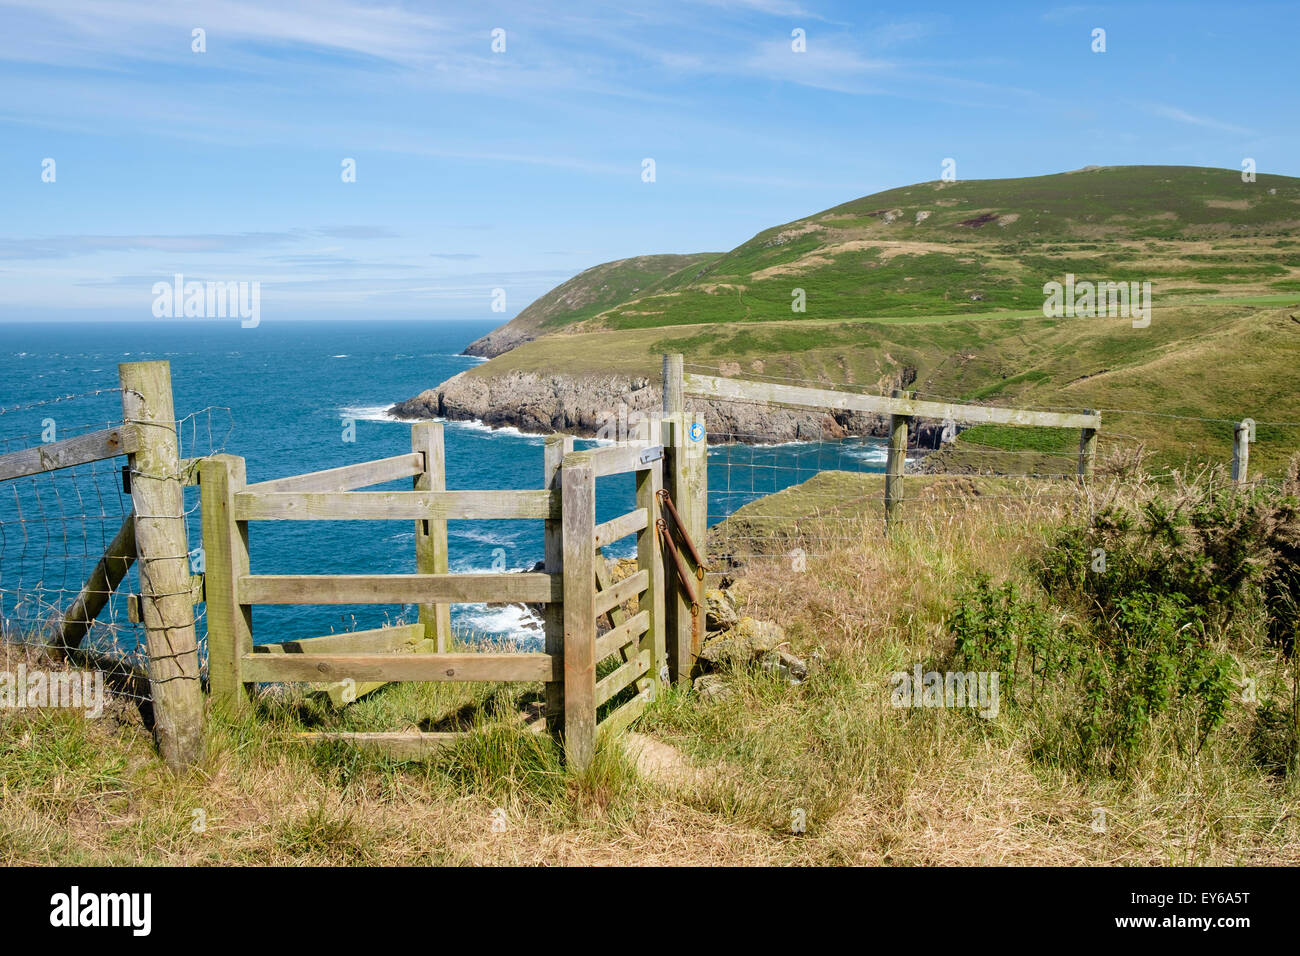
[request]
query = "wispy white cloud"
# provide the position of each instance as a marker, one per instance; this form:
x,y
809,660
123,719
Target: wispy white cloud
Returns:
x,y
1182,116
143,29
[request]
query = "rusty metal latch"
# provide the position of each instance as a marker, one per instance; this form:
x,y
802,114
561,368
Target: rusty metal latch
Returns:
x,y
683,573
687,543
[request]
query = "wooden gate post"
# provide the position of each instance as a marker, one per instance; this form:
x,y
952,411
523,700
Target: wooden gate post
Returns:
x,y
896,463
677,609
225,560
431,533
557,446
1241,438
158,500
1087,454
578,478
648,483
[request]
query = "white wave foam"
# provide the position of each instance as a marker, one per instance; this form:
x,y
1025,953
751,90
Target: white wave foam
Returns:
x,y
370,413
872,453
511,621
482,428
484,537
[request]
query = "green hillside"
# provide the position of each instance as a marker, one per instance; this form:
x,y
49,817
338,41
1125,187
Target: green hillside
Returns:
x,y
974,247
941,285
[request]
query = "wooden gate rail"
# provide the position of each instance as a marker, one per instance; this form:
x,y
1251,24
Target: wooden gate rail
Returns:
x,y
471,588
348,477
409,637
70,452
621,527
395,505
710,386
259,668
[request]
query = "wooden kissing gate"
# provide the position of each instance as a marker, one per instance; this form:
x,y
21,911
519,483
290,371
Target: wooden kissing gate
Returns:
x,y
654,646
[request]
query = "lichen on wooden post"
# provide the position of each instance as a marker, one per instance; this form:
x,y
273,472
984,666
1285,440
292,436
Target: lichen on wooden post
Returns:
x,y
896,463
431,533
1087,454
579,515
158,500
678,624
225,556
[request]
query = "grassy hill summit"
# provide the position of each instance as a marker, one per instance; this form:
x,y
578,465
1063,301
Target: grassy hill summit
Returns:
x,y
939,286
955,247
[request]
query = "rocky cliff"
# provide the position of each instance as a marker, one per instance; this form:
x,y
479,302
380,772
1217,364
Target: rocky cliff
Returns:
x,y
593,406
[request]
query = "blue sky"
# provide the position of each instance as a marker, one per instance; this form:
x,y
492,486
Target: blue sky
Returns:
x,y
479,170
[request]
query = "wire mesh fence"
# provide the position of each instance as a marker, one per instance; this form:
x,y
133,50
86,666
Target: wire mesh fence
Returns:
x,y
62,539
796,483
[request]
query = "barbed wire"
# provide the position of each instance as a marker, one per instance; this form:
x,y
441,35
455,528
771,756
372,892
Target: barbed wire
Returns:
x,y
72,396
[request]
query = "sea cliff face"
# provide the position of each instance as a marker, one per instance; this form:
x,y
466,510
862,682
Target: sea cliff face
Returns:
x,y
593,405
499,340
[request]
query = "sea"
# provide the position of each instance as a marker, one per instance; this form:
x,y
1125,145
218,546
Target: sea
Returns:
x,y
294,397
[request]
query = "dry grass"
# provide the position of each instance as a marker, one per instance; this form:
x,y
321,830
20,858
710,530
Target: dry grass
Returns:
x,y
726,781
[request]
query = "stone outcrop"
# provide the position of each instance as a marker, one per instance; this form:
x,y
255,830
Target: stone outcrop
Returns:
x,y
735,640
591,406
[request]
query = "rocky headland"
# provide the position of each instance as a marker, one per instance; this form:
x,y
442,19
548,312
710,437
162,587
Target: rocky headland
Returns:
x,y
592,406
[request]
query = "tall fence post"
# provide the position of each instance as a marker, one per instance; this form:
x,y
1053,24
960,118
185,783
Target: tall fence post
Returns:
x,y
162,555
1087,454
431,533
678,623
1242,436
896,463
693,493
557,446
225,561
578,493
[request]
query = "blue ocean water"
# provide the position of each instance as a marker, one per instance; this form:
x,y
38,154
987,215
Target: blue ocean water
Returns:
x,y
281,396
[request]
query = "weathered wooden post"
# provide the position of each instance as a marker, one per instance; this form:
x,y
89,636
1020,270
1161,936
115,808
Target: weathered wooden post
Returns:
x,y
225,560
431,533
678,622
896,463
557,446
158,499
648,483
1243,435
693,490
1087,453
578,480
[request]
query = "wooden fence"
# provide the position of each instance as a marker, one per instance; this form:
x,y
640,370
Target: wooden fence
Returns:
x,y
584,671
152,538
573,586
649,649
902,408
